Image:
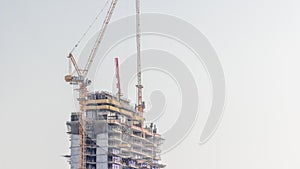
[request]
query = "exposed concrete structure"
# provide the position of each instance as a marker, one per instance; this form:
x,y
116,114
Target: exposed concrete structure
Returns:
x,y
115,136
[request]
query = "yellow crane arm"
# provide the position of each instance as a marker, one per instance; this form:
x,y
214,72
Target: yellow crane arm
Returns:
x,y
100,37
74,64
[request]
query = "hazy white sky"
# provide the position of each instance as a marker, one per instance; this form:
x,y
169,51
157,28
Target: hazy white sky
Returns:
x,y
257,43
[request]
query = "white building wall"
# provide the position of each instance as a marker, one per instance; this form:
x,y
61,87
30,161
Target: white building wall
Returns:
x,y
102,150
75,151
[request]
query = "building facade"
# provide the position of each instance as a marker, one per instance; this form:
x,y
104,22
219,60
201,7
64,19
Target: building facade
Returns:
x,y
116,137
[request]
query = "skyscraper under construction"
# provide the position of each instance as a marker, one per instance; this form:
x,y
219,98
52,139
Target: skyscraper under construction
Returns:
x,y
115,136
108,132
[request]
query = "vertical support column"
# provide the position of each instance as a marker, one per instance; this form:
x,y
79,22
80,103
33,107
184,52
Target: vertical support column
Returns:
x,y
102,151
75,151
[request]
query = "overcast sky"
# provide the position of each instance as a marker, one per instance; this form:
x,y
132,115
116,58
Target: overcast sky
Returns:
x,y
257,44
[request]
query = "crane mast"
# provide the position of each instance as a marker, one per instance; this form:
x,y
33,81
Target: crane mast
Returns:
x,y
119,94
140,104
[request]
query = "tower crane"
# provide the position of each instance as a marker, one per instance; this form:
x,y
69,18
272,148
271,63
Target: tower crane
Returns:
x,y
140,103
83,82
